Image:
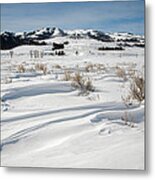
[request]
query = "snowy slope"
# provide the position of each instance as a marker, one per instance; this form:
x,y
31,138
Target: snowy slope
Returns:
x,y
46,123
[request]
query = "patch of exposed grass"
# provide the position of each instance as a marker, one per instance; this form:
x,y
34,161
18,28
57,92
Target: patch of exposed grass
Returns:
x,y
41,67
21,68
83,84
120,72
136,90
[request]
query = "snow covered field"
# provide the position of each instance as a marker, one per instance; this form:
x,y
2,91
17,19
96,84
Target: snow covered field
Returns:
x,y
46,122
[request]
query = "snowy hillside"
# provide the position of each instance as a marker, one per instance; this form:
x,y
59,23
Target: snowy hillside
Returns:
x,y
65,103
10,40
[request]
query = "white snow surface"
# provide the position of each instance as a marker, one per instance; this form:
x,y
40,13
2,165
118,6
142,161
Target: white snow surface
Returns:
x,y
46,123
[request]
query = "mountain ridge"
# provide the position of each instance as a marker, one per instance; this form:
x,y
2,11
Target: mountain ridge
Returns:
x,y
10,40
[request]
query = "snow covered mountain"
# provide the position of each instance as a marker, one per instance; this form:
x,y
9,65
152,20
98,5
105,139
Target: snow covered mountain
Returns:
x,y
46,33
92,34
10,40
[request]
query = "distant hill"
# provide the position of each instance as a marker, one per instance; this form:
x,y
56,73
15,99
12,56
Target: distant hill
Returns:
x,y
10,40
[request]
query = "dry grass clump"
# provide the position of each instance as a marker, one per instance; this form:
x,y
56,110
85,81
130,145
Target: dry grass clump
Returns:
x,y
77,80
100,67
89,67
94,97
131,72
57,66
120,72
21,68
88,85
41,67
7,80
67,76
128,119
137,90
84,85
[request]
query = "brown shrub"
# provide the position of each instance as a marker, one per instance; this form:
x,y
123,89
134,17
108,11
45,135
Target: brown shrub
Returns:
x,y
41,67
84,85
120,72
89,67
137,91
21,68
57,66
67,76
100,67
137,88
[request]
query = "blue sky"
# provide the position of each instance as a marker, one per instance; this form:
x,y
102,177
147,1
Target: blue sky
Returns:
x,y
115,16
